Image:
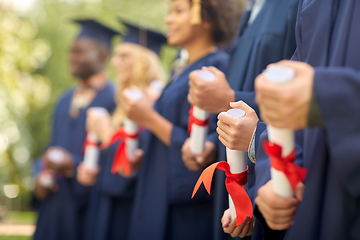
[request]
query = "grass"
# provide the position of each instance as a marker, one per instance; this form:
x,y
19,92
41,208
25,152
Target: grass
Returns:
x,y
14,238
20,218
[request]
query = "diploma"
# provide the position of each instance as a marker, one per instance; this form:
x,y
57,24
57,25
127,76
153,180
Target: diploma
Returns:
x,y
236,159
282,137
47,178
199,127
131,128
92,149
157,87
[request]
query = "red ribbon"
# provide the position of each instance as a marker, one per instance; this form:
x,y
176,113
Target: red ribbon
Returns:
x,y
120,158
293,172
87,143
234,184
196,121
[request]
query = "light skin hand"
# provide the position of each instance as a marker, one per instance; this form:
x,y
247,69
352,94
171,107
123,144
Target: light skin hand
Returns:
x,y
243,230
142,112
236,133
195,162
99,124
87,177
286,105
135,164
278,212
211,96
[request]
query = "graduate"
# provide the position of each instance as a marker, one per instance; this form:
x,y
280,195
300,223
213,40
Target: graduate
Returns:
x,y
111,198
60,212
266,35
323,100
163,208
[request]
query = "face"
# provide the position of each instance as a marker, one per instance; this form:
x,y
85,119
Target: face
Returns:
x,y
180,30
85,58
123,61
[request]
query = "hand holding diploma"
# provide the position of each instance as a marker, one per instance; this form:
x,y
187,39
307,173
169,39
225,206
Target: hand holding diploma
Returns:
x,y
155,90
199,121
281,148
135,164
137,109
286,105
242,230
236,171
85,176
91,144
236,133
278,212
214,96
99,124
141,111
63,165
195,162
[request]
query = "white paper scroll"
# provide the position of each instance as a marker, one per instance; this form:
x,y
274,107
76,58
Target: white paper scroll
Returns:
x,y
132,128
199,133
236,159
282,137
47,176
157,87
92,152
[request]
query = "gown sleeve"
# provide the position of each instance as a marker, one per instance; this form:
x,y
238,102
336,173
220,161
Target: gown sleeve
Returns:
x,y
337,90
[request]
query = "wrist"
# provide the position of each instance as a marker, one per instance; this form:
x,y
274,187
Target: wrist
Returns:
x,y
152,118
228,98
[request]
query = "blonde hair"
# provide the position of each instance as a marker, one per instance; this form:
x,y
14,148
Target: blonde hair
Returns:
x,y
146,68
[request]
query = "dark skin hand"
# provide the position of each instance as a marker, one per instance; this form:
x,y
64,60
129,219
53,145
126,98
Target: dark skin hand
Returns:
x,y
64,167
42,192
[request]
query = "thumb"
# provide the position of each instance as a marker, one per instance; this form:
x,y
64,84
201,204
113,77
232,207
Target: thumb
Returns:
x,y
299,191
212,69
200,159
241,105
297,66
226,219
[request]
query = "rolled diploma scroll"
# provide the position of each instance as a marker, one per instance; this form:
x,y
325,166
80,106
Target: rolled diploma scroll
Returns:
x,y
157,86
199,133
236,159
47,176
92,152
131,128
282,137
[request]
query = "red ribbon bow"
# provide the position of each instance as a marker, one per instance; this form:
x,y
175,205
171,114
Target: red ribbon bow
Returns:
x,y
120,158
293,172
234,184
196,121
87,142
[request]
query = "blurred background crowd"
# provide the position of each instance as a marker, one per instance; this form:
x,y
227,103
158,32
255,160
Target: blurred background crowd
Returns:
x,y
34,43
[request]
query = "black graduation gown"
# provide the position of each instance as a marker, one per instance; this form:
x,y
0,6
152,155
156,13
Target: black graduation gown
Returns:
x,y
269,39
163,208
61,215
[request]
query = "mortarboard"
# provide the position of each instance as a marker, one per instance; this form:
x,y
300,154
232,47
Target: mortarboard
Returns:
x,y
96,31
148,38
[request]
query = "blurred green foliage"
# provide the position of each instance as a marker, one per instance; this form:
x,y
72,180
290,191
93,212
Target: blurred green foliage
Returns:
x,y
34,70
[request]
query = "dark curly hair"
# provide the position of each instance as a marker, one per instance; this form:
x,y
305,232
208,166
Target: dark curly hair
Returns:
x,y
224,17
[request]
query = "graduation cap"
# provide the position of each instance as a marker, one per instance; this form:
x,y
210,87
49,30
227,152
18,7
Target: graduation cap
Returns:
x,y
96,31
148,38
